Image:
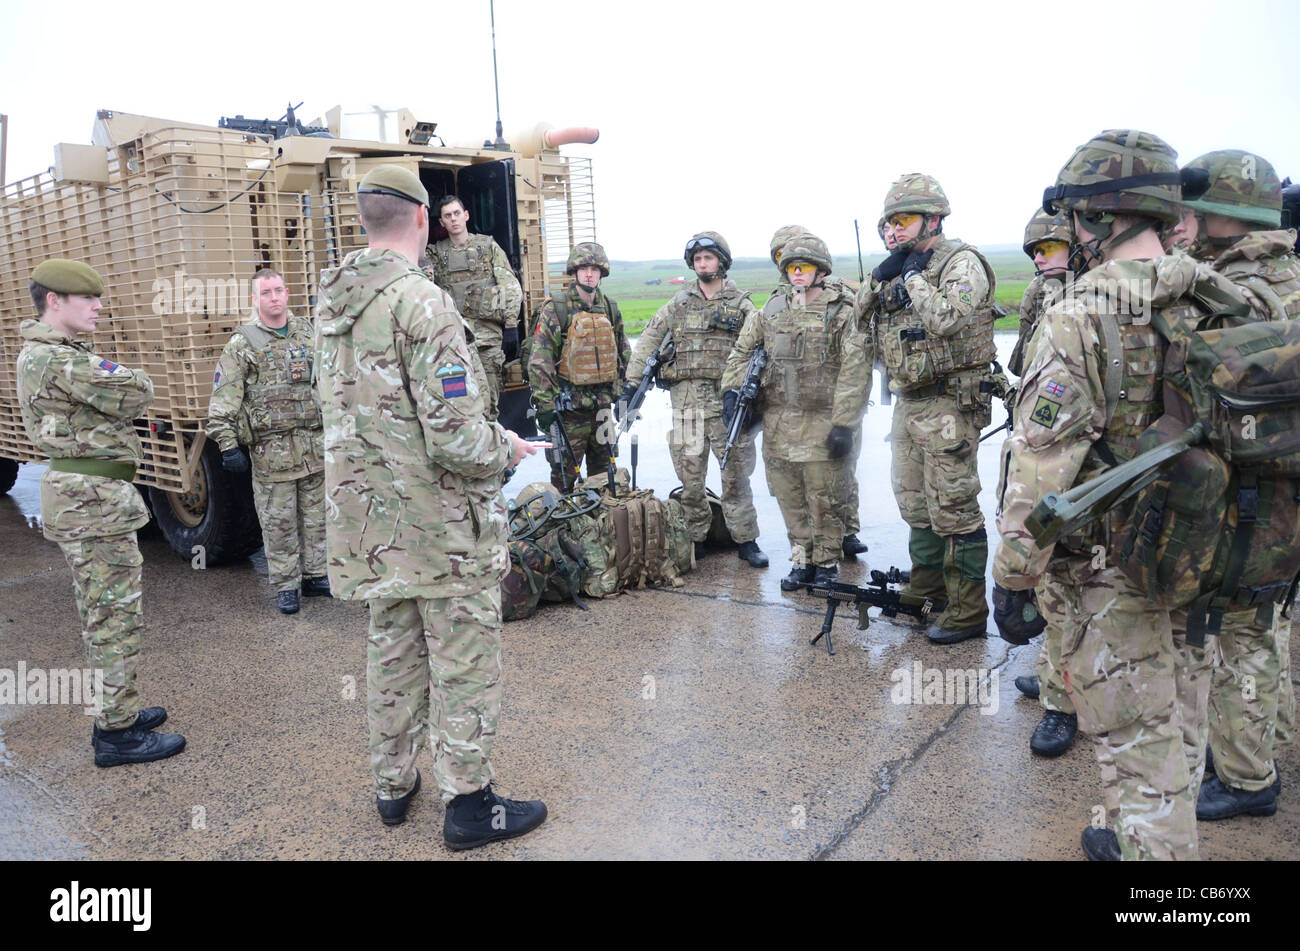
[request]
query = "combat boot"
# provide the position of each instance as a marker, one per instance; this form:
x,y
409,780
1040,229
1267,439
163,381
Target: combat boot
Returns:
x,y
392,812
826,574
1209,769
287,601
1055,734
134,745
1216,800
477,818
316,587
750,552
1028,686
1101,845
853,546
147,719
798,578
966,616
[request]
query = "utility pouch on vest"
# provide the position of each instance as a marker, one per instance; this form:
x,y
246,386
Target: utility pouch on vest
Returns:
x,y
590,352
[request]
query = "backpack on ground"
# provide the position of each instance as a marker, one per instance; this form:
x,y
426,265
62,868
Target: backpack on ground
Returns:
x,y
719,535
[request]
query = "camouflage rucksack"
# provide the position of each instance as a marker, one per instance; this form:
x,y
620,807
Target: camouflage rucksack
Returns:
x,y
650,543
719,535
523,586
571,529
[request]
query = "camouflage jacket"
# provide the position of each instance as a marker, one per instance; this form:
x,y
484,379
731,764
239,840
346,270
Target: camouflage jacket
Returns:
x,y
412,465
483,285
76,405
282,448
1061,409
1265,268
1041,293
817,375
548,342
703,330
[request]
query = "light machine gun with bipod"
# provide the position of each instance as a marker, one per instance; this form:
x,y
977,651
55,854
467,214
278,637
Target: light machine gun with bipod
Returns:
x,y
878,594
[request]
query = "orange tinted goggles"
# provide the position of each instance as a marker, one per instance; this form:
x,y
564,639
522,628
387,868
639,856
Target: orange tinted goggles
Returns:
x,y
1048,248
800,267
902,220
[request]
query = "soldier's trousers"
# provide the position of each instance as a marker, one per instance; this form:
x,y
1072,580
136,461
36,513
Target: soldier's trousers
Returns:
x,y
1122,661
697,428
433,669
852,521
1251,701
293,529
589,436
935,470
811,497
1054,603
106,578
493,360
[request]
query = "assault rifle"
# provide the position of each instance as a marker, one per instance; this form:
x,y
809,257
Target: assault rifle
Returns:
x,y
878,594
745,405
560,447
661,357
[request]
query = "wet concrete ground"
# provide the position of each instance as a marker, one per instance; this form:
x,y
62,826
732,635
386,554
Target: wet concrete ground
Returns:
x,y
686,723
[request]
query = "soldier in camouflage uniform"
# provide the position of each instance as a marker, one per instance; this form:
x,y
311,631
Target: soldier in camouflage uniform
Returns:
x,y
474,270
703,320
78,408
852,545
263,397
1126,667
1047,243
929,309
417,521
577,363
1251,704
814,390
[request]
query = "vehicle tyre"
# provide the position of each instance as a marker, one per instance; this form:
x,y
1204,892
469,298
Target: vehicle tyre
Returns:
x,y
8,474
217,514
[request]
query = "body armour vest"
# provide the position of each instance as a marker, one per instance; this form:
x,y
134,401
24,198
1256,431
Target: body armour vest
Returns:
x,y
803,350
589,355
1263,264
704,331
278,392
913,357
458,269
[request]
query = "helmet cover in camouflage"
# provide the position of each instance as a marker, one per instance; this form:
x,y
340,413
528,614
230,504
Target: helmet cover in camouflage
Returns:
x,y
588,252
783,235
917,193
807,247
709,241
1241,185
1123,172
1045,227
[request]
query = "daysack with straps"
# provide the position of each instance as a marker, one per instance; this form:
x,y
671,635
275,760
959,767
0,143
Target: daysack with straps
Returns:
x,y
1219,529
651,544
573,530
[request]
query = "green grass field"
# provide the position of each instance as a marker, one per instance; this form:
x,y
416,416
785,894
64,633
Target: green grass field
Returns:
x,y
639,300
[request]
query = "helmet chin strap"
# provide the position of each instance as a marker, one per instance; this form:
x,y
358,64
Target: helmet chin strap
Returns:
x,y
1085,255
921,235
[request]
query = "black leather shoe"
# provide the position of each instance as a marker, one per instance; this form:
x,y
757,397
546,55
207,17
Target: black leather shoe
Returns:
x,y
316,587
481,817
1100,845
943,635
1054,734
1028,686
1218,801
392,812
826,574
134,745
797,578
750,552
853,545
287,601
147,719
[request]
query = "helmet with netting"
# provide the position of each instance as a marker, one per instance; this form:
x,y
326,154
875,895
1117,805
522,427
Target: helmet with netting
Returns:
x,y
783,235
808,248
1045,227
1119,172
588,253
1238,185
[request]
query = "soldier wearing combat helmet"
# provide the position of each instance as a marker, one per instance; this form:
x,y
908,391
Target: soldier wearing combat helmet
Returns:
x,y
928,307
1126,664
1047,244
704,320
577,362
1240,214
814,390
78,408
418,528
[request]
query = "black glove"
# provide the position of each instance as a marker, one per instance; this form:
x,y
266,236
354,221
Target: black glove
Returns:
x,y
899,299
545,418
915,263
510,342
1016,615
891,267
624,400
840,441
234,460
730,402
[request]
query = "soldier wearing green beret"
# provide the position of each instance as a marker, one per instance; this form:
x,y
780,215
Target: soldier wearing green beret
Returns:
x,y
78,408
418,523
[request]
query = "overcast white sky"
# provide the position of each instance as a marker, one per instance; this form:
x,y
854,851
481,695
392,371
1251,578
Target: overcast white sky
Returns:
x,y
733,116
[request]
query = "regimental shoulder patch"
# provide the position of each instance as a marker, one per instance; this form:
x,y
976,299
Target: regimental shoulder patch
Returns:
x,y
216,377
452,376
1056,389
109,366
1045,412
